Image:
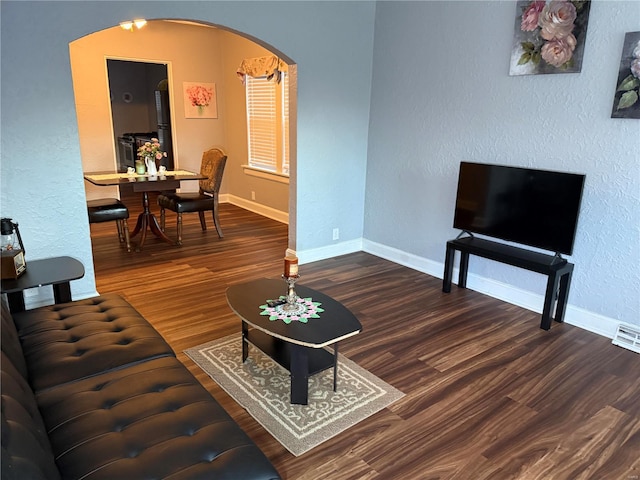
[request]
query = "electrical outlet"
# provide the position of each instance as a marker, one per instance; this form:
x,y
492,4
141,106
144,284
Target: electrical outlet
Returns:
x,y
253,195
336,233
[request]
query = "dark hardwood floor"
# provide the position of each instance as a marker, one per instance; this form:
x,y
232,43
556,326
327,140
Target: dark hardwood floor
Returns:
x,y
489,395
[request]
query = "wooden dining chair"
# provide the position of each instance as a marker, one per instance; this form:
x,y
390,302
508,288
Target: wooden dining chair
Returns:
x,y
212,166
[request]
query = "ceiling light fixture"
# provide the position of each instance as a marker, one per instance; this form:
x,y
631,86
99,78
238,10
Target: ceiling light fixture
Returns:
x,y
128,25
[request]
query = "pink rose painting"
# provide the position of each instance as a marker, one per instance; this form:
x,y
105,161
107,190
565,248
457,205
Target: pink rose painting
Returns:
x,y
549,37
626,100
200,100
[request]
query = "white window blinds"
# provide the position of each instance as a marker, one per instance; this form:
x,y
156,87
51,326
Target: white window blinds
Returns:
x,y
261,123
268,123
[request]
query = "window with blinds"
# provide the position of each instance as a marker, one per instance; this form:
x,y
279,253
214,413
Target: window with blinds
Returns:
x,y
268,124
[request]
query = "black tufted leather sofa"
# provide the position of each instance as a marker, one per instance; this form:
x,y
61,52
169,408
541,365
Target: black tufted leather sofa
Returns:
x,y
91,391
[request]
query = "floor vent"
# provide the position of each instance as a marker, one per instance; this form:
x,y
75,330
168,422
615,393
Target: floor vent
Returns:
x,y
628,337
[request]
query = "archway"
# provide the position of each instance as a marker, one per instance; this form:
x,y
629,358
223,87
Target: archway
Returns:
x,y
182,47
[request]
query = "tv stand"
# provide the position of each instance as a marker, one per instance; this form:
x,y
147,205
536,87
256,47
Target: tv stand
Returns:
x,y
556,268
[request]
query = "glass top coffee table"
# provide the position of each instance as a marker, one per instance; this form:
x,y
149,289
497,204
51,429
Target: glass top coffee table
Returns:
x,y
297,344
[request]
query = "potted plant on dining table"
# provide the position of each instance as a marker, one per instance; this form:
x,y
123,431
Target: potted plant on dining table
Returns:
x,y
148,155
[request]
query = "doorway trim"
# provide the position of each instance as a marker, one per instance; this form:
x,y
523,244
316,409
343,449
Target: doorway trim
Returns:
x,y
169,66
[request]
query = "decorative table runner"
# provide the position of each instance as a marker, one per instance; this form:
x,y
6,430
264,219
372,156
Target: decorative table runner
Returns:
x,y
109,176
305,309
178,172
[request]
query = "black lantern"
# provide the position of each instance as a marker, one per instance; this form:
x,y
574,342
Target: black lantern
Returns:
x,y
13,263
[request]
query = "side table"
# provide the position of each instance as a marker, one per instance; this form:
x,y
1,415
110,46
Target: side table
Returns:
x,y
55,271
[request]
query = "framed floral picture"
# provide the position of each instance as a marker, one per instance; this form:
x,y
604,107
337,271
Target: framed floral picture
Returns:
x,y
200,100
549,37
626,102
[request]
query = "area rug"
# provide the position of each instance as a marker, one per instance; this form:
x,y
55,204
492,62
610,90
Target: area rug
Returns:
x,y
262,387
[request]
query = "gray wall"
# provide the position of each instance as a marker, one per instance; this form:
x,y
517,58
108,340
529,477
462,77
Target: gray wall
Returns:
x,y
442,94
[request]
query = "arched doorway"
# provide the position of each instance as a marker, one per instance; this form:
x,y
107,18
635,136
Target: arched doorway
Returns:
x,y
181,49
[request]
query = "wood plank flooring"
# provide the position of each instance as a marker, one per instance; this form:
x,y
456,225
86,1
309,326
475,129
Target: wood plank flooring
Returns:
x,y
489,395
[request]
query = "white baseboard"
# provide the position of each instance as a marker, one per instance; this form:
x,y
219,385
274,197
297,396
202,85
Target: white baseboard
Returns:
x,y
272,213
576,316
43,296
330,251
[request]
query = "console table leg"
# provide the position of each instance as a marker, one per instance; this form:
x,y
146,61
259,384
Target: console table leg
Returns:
x,y
16,302
448,270
299,375
563,295
62,292
549,300
464,267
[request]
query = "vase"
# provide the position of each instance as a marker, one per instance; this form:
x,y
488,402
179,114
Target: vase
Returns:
x,y
152,169
140,169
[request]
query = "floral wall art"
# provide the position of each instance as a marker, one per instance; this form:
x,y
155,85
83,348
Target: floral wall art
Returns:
x,y
200,100
549,37
626,102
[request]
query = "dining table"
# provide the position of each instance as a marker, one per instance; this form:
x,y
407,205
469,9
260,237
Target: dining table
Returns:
x,y
145,183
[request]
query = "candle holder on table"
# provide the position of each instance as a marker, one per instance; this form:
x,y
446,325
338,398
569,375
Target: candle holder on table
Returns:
x,y
291,300
291,277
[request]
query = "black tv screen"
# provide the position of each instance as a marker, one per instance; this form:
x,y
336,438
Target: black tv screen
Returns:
x,y
538,208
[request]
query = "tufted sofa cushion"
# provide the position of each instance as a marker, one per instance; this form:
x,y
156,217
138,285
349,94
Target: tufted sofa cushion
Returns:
x,y
151,420
125,408
10,342
64,342
26,451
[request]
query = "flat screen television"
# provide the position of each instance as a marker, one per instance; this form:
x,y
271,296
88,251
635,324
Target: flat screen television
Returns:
x,y
537,208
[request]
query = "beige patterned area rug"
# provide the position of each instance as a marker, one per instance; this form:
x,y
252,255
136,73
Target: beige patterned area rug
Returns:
x,y
262,387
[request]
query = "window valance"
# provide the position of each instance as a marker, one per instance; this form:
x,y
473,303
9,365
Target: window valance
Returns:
x,y
270,66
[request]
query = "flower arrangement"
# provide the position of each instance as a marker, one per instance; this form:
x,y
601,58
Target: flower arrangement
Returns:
x,y
199,96
151,149
553,28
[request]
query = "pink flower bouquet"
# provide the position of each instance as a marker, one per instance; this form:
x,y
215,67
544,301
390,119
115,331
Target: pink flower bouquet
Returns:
x,y
151,149
199,96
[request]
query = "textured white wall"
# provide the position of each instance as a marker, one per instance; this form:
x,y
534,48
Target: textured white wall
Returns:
x,y
441,94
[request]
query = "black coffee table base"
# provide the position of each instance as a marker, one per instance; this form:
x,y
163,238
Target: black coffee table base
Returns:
x,y
302,347
300,361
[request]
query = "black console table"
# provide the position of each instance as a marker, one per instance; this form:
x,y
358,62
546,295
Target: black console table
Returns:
x,y
557,269
56,271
